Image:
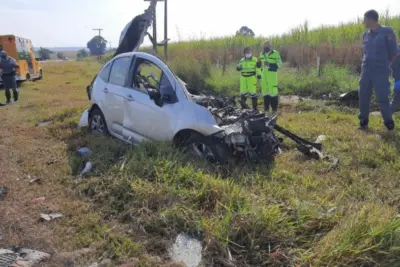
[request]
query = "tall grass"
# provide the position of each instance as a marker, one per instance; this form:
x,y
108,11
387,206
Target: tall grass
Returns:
x,y
340,44
206,65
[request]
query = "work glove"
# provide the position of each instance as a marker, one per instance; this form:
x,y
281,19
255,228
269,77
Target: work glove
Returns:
x,y
273,67
397,86
259,77
239,67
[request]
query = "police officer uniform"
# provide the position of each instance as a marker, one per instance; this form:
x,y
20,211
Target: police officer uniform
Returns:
x,y
270,62
249,73
8,66
379,46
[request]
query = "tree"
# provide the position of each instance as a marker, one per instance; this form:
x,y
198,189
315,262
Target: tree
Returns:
x,y
245,31
82,54
44,53
60,55
97,45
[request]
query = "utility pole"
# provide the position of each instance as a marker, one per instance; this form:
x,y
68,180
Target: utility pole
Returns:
x,y
99,56
99,30
165,41
165,29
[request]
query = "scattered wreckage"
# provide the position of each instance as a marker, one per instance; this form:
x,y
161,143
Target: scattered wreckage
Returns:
x,y
135,106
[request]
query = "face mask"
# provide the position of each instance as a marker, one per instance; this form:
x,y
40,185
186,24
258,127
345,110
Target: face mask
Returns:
x,y
267,49
248,55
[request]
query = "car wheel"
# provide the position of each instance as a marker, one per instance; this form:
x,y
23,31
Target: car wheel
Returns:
x,y
209,149
97,123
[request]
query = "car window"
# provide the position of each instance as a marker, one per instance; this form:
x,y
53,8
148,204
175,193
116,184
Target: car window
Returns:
x,y
146,75
105,72
120,70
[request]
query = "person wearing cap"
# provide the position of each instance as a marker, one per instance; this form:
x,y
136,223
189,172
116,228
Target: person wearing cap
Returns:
x,y
249,73
379,49
270,62
9,66
395,67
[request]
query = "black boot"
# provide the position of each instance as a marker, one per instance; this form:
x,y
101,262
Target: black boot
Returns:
x,y
254,103
274,103
8,96
267,100
243,100
15,95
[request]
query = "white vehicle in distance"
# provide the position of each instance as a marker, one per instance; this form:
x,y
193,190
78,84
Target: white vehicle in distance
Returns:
x,y
136,97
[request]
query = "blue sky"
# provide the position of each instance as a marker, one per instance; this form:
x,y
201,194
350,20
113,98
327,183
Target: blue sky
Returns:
x,y
52,23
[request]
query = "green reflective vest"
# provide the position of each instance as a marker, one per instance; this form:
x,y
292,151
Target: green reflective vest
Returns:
x,y
272,57
249,66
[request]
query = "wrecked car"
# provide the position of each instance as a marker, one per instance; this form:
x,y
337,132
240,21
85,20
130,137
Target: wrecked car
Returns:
x,y
137,97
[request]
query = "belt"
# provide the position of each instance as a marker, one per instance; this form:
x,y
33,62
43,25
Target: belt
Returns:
x,y
249,74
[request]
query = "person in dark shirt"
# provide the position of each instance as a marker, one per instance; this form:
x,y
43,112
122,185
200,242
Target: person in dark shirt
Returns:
x,y
379,49
9,66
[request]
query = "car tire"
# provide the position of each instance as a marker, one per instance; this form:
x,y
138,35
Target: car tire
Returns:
x,y
97,122
209,148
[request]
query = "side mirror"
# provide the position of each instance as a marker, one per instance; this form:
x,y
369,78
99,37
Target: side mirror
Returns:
x,y
155,96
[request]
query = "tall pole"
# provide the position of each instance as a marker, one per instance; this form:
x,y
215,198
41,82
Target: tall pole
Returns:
x,y
165,29
155,30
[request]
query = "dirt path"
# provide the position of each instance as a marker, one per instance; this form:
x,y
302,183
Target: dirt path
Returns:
x,y
26,153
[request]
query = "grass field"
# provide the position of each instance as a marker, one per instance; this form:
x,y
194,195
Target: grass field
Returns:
x,y
138,199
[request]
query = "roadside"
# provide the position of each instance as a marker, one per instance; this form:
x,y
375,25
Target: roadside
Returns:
x,y
34,168
297,211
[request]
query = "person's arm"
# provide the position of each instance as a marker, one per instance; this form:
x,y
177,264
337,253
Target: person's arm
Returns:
x,y
391,44
14,63
239,66
278,59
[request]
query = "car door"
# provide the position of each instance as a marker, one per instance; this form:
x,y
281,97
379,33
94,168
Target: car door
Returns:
x,y
114,94
143,118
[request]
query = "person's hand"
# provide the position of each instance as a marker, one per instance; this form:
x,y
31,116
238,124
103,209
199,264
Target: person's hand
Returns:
x,y
273,67
259,77
239,67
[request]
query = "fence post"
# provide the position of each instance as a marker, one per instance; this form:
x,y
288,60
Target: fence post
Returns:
x,y
319,66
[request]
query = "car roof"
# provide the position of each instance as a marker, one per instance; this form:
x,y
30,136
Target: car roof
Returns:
x,y
142,54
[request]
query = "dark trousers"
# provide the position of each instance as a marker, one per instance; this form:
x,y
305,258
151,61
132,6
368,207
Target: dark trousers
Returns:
x,y
10,83
379,82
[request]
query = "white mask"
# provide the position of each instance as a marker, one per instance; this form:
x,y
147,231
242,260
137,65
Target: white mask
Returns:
x,y
248,55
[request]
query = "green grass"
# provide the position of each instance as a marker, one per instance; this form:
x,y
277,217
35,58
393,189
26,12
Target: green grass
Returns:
x,y
294,212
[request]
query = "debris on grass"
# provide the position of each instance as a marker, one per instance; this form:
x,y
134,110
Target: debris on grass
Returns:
x,y
52,216
33,180
84,151
38,200
44,123
186,250
88,167
21,257
3,192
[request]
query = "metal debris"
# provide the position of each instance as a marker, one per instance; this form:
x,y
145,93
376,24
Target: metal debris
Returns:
x,y
52,216
88,167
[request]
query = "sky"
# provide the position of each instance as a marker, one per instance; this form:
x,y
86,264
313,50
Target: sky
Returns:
x,y
66,23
